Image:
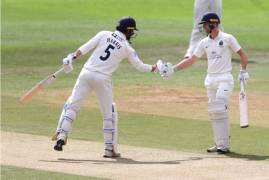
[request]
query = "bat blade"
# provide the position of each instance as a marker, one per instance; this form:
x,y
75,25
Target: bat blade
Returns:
x,y
243,107
39,87
29,94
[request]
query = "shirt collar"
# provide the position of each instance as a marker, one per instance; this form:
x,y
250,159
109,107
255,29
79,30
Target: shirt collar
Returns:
x,y
217,37
120,34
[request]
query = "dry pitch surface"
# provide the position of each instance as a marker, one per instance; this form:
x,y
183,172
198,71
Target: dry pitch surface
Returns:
x,y
85,158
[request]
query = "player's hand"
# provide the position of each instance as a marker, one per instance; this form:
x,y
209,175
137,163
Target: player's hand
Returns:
x,y
154,68
69,59
165,69
159,65
67,63
168,71
243,76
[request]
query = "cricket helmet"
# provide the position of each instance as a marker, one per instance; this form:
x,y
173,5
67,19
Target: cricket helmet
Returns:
x,y
127,26
210,18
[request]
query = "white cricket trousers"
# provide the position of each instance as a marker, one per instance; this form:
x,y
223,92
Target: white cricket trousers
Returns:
x,y
201,7
88,81
219,89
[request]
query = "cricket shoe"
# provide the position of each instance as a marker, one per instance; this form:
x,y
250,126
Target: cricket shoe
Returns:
x,y
223,150
219,150
111,154
60,141
59,145
212,149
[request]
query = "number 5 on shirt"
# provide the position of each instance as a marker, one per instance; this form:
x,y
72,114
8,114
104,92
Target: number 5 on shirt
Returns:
x,y
107,51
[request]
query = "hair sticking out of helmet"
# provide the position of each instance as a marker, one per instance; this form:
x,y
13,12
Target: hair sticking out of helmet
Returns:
x,y
127,26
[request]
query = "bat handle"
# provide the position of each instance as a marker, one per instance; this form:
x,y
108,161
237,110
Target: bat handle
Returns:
x,y
58,72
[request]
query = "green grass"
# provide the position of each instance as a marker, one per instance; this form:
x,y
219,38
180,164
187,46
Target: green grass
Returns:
x,y
12,173
134,128
36,35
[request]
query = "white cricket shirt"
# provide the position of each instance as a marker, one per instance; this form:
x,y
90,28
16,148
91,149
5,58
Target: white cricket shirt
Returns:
x,y
218,51
110,48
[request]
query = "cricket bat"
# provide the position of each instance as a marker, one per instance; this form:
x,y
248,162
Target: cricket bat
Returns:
x,y
40,86
243,106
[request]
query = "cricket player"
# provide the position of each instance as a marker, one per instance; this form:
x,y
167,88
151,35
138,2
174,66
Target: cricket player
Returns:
x,y
109,49
201,7
218,47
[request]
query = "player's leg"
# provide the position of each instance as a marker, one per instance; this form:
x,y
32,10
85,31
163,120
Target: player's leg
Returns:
x,y
70,110
104,93
211,94
218,111
216,7
200,8
115,118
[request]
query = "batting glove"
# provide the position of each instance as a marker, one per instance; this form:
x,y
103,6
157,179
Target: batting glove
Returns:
x,y
69,59
168,71
243,76
67,63
165,69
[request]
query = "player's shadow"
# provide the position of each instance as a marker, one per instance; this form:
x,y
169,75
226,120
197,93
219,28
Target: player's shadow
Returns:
x,y
122,160
247,156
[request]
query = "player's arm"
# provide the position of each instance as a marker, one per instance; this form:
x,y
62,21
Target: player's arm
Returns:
x,y
88,46
235,46
77,54
137,63
243,59
243,74
91,44
185,63
166,70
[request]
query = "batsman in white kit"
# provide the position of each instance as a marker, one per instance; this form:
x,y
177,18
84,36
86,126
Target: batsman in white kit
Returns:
x,y
110,48
219,83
